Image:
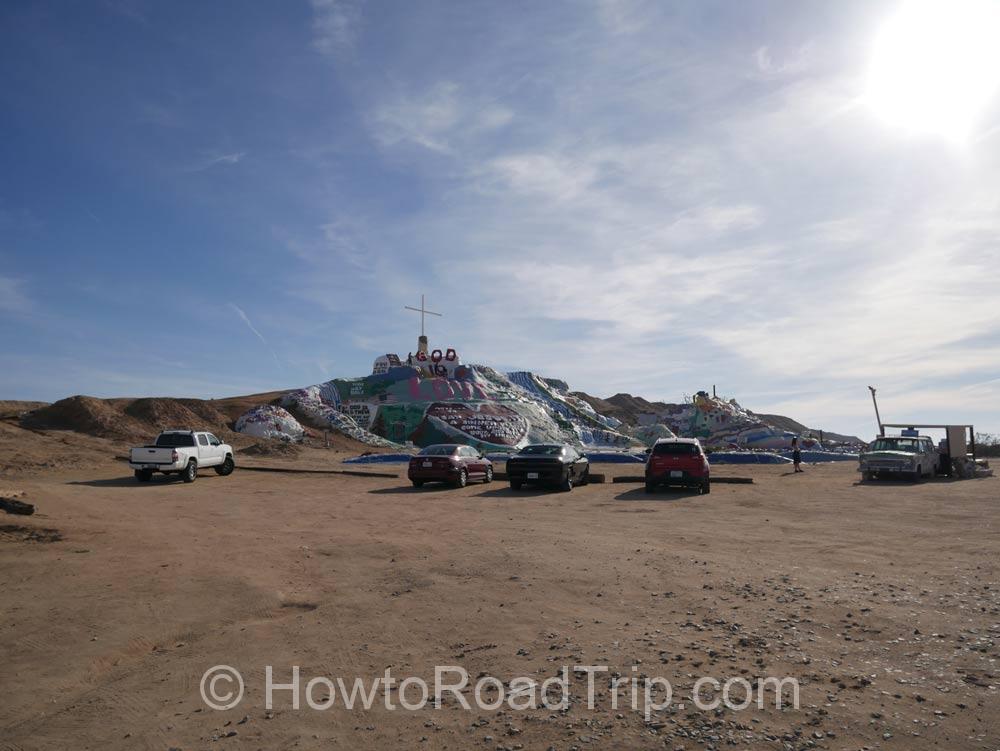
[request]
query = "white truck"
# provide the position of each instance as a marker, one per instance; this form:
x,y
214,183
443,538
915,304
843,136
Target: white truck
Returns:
x,y
182,452
908,456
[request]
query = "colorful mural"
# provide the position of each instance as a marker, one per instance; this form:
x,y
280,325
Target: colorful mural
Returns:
x,y
268,421
432,397
720,422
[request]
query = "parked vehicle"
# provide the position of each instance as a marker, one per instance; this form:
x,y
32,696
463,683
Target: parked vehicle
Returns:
x,y
449,462
909,457
548,464
678,461
182,452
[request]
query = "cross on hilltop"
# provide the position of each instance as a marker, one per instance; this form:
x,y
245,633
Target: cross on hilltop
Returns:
x,y
422,310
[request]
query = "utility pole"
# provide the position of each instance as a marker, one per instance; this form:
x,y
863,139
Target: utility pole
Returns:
x,y
881,430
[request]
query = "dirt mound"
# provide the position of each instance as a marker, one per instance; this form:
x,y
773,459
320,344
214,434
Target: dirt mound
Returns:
x,y
273,448
14,409
85,414
163,414
624,407
206,410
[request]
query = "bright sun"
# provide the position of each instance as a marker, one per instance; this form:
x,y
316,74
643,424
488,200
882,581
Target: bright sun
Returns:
x,y
935,66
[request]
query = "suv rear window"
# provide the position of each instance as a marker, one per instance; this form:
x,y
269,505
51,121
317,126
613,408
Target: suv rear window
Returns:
x,y
173,440
675,449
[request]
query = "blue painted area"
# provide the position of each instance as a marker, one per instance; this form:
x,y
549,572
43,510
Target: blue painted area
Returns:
x,y
380,459
595,457
598,457
815,457
746,457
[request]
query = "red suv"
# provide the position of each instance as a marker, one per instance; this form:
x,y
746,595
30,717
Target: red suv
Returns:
x,y
677,461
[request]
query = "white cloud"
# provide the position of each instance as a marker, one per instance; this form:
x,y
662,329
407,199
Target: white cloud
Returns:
x,y
213,160
243,317
440,118
13,297
645,214
772,65
335,26
549,176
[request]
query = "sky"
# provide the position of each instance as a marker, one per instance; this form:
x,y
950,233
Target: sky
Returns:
x,y
209,199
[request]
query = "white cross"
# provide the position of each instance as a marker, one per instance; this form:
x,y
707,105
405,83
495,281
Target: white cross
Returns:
x,y
422,311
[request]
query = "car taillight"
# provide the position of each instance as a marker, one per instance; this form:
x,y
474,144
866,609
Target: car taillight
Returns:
x,y
174,456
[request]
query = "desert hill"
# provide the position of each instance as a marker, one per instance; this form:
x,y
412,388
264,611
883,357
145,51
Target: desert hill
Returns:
x,y
84,430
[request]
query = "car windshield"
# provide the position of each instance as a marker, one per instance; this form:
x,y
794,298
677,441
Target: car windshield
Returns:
x,y
172,440
675,449
442,450
910,445
542,450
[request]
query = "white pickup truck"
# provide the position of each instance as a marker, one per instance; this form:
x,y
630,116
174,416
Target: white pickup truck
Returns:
x,y
182,452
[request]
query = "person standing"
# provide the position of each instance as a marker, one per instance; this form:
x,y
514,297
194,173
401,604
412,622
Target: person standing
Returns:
x,y
796,455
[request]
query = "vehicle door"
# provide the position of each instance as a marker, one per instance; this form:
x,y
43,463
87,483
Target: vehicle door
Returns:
x,y
472,464
204,451
218,454
573,460
931,459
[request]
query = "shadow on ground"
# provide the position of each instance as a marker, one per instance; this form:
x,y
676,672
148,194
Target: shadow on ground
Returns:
x,y
894,483
131,482
640,494
505,491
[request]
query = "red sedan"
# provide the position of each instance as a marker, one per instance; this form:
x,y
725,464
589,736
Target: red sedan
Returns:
x,y
449,462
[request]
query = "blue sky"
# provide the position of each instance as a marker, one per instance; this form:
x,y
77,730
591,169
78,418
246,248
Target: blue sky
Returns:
x,y
206,199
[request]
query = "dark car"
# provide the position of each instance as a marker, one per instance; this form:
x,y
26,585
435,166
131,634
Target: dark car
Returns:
x,y
449,462
548,464
677,461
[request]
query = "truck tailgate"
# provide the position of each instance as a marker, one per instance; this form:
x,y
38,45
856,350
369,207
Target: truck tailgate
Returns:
x,y
152,455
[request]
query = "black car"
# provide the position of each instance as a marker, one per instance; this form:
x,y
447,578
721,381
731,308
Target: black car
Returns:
x,y
548,464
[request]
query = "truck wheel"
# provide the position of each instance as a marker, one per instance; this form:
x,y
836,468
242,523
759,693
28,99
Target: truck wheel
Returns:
x,y
226,468
567,483
143,475
650,487
706,487
418,483
463,479
870,476
918,475
585,477
190,473
515,484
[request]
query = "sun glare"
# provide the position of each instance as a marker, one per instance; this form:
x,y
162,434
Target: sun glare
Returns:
x,y
935,66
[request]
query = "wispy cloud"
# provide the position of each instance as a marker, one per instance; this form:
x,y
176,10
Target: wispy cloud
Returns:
x,y
660,223
13,297
216,159
443,118
246,319
335,26
771,65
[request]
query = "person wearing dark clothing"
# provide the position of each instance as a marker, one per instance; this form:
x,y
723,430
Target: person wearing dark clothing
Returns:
x,y
796,455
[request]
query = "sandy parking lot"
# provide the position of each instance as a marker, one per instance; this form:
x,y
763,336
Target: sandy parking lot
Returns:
x,y
881,600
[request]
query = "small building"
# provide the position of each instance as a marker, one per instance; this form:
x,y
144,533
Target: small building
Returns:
x,y
384,362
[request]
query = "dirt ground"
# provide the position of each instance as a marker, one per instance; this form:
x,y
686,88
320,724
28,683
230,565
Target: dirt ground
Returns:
x,y
882,600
